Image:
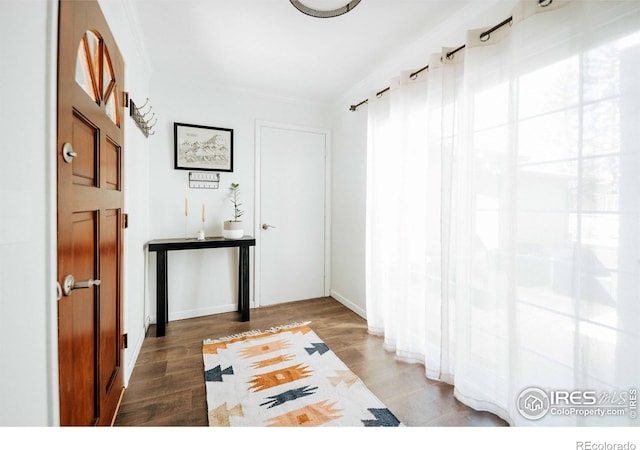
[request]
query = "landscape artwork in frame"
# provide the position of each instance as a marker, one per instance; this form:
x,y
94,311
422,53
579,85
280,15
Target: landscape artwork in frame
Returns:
x,y
198,147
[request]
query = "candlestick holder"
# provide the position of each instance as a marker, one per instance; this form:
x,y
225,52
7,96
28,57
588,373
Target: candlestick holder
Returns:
x,y
186,216
201,232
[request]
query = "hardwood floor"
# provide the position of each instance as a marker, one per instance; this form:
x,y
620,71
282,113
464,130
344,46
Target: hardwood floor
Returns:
x,y
167,385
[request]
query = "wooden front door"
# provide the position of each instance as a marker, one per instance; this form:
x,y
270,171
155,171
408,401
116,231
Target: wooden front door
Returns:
x,y
90,202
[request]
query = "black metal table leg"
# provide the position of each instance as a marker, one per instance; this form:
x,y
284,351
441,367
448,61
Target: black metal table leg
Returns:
x,y
243,291
161,293
240,280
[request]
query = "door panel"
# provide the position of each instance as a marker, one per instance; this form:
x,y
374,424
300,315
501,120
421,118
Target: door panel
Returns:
x,y
90,202
77,335
111,165
292,191
109,263
85,144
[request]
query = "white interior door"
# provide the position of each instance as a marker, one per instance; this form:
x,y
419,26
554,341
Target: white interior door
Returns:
x,y
292,210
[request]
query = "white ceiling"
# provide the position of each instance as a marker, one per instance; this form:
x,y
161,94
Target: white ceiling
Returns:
x,y
269,46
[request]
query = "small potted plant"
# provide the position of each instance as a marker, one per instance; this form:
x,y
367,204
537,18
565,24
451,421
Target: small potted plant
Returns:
x,y
233,229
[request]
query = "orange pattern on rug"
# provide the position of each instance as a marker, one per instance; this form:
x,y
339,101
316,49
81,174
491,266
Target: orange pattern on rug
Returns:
x,y
279,377
343,376
307,416
272,361
213,347
262,349
220,416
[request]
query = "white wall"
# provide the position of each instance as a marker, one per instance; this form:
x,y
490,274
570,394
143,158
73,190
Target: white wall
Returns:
x,y
27,273
349,207
205,282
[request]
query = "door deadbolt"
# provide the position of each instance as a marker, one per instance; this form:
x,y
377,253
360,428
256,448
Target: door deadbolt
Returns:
x,y
67,153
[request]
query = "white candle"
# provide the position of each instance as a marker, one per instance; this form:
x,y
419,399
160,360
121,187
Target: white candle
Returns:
x,y
186,207
203,213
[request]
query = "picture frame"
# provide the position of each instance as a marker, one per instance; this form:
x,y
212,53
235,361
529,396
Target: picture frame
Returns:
x,y
200,147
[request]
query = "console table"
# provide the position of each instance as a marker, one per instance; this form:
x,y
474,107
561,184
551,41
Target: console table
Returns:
x,y
163,246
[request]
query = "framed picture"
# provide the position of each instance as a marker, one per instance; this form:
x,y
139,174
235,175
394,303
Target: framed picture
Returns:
x,y
199,147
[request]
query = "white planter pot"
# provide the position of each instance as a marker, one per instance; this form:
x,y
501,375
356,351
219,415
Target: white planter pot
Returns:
x,y
232,230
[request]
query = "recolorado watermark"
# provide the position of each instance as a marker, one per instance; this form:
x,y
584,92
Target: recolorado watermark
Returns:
x,y
588,445
534,403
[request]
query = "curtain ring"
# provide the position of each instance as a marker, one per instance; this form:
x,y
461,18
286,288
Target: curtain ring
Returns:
x,y
544,3
413,77
484,37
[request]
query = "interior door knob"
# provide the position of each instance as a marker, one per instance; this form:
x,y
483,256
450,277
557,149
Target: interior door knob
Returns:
x,y
266,226
69,284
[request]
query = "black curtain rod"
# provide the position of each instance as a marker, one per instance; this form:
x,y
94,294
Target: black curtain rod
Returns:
x,y
484,36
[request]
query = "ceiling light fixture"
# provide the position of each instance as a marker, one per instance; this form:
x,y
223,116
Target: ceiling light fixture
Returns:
x,y
324,8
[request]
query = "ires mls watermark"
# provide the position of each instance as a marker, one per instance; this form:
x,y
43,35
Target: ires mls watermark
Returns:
x,y
534,403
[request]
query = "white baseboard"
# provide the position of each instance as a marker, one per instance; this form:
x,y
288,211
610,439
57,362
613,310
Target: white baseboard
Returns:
x,y
132,357
191,313
349,304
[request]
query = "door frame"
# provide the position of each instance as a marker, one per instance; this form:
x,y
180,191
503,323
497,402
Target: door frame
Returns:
x,y
260,124
51,237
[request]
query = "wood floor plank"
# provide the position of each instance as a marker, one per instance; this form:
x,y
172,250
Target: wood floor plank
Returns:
x,y
167,384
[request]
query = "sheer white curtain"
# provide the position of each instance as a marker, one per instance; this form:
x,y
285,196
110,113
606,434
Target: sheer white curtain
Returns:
x,y
503,213
411,139
395,184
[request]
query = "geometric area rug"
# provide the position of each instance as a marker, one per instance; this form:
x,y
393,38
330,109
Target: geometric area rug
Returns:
x,y
288,377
